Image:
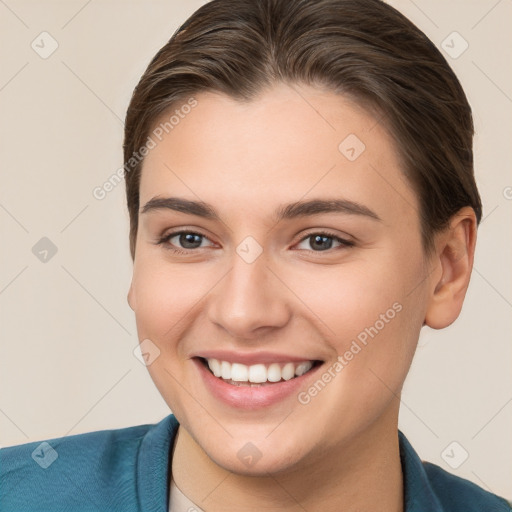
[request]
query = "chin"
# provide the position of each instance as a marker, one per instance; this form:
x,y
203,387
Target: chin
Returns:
x,y
262,464
254,454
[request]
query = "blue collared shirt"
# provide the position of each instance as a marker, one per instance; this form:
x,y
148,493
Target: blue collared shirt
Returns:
x,y
128,470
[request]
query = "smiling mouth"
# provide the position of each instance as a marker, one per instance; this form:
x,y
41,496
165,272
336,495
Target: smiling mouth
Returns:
x,y
256,375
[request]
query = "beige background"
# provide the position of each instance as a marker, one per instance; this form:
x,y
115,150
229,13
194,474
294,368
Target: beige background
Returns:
x,y
67,333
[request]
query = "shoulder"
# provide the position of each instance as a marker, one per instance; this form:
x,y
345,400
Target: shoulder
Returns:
x,y
456,493
91,471
429,487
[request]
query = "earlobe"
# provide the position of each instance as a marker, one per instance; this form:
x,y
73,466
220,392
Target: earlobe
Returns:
x,y
130,297
454,253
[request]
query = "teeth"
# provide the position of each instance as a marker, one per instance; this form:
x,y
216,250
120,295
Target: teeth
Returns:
x,y
215,367
257,373
225,370
302,368
288,371
239,372
274,373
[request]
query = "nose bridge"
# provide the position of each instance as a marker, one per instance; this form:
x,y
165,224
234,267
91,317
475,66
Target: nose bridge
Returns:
x,y
249,297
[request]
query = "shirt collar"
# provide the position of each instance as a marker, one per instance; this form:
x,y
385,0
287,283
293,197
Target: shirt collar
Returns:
x,y
154,466
418,494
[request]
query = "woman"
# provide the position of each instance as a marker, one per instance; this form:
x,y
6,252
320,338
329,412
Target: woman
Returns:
x,y
300,185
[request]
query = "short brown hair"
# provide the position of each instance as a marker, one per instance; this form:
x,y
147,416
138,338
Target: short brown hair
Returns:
x,y
364,49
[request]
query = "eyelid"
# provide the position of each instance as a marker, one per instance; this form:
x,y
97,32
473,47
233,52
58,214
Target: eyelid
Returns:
x,y
326,232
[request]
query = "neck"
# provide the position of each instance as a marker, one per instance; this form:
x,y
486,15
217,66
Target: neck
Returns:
x,y
365,474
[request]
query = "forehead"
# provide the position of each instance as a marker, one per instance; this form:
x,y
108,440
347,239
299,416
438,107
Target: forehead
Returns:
x,y
289,142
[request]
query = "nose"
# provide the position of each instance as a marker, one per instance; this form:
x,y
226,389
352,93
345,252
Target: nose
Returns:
x,y
250,300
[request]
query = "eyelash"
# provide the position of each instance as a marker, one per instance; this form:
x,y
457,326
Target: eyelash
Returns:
x,y
165,241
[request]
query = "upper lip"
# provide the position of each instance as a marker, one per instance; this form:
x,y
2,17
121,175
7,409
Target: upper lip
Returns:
x,y
249,358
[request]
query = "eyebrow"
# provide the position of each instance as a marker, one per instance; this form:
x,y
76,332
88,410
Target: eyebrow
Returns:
x,y
289,211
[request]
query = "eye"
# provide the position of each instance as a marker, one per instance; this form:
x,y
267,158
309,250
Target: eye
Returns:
x,y
184,241
323,241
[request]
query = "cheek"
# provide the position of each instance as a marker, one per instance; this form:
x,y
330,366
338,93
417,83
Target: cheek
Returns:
x,y
370,318
348,299
375,332
167,298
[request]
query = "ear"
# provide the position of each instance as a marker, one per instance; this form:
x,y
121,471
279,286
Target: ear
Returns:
x,y
131,297
452,264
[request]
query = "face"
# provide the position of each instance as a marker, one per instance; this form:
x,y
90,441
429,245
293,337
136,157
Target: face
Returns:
x,y
279,276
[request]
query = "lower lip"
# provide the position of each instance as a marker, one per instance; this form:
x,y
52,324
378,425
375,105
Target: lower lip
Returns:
x,y
247,397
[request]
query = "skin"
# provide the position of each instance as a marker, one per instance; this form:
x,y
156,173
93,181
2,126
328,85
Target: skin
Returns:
x,y
293,299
